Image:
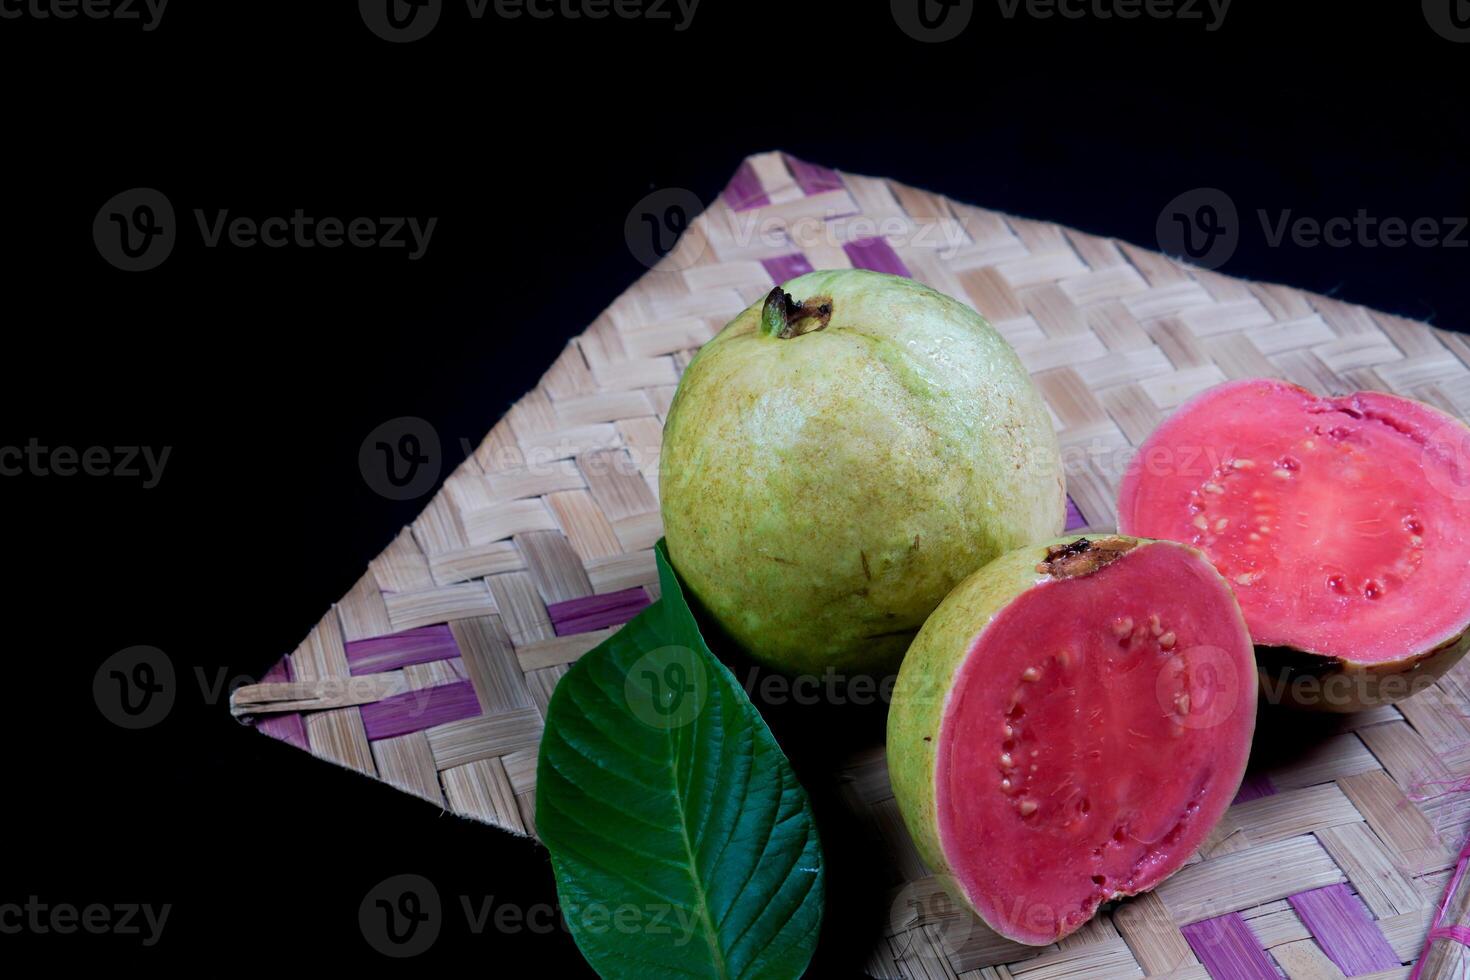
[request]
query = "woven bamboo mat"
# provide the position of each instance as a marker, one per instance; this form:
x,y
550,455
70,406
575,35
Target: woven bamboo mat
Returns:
x,y
433,673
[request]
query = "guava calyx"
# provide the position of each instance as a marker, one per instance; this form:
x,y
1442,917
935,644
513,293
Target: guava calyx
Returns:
x,y
1084,556
783,317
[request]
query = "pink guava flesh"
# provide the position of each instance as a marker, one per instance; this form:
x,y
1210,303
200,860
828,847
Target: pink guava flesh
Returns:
x,y
1096,732
1341,523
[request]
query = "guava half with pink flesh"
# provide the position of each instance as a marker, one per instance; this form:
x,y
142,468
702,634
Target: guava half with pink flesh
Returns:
x,y
1343,525
1068,726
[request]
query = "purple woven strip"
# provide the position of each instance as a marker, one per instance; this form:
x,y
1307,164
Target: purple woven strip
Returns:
x,y
1229,949
413,711
786,267
744,191
595,612
1254,786
416,646
875,254
288,728
1340,923
1074,516
813,178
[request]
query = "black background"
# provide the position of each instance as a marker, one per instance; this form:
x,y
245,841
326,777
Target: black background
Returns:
x,y
264,369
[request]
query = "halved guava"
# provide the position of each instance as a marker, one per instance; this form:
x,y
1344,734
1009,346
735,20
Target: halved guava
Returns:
x,y
1341,523
1069,725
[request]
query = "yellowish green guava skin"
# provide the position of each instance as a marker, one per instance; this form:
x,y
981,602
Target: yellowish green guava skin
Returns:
x,y
823,492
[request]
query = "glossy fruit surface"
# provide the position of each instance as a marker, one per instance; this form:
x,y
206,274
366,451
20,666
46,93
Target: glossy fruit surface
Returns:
x,y
1069,725
1341,523
840,456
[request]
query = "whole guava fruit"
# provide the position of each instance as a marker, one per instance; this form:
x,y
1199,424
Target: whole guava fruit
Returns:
x,y
1068,727
840,456
1340,522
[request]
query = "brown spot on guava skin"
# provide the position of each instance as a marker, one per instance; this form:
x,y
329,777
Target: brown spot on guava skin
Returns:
x,y
867,572
1084,556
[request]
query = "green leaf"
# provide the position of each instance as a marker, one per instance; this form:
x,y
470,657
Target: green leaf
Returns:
x,y
682,843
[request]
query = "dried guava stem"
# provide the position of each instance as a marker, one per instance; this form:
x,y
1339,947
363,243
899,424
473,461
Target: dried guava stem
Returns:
x,y
781,314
